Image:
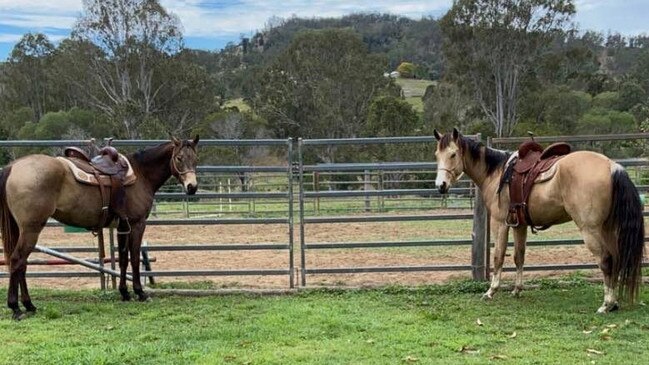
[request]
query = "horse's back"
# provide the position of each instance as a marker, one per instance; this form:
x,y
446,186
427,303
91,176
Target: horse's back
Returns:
x,y
36,171
33,187
581,189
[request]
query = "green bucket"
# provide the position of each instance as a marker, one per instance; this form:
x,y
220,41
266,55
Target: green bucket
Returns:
x,y
73,229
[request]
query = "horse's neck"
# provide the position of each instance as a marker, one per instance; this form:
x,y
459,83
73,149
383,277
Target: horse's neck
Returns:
x,y
153,165
476,170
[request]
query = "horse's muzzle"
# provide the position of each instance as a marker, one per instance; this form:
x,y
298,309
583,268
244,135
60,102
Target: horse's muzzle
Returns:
x,y
191,189
443,189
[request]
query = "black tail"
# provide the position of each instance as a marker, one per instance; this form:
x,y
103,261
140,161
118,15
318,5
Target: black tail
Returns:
x,y
626,220
8,225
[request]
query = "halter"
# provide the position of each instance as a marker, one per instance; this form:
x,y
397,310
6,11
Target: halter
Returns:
x,y
453,173
174,169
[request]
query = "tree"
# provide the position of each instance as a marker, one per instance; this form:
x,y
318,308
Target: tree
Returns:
x,y
446,106
321,87
27,73
389,116
491,45
407,70
131,37
552,111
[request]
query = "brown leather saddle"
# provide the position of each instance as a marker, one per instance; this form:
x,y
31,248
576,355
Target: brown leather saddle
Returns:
x,y
523,172
108,170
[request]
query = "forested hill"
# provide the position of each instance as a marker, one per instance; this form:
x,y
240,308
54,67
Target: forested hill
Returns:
x,y
325,78
395,38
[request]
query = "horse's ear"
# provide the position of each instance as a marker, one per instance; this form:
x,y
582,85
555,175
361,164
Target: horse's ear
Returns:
x,y
437,135
456,134
195,141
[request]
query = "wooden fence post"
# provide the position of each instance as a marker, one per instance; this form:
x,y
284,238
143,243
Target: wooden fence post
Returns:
x,y
480,236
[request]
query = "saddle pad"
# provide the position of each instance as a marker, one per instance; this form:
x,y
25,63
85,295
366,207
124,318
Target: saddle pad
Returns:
x,y
90,179
546,175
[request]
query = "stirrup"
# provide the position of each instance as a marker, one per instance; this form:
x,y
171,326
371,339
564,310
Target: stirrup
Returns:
x,y
127,223
514,224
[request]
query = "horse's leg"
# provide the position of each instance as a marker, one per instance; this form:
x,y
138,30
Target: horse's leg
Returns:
x,y
502,233
610,292
26,242
12,292
594,238
137,231
24,293
520,238
122,246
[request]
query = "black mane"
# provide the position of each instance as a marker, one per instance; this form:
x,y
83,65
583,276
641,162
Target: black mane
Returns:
x,y
149,155
493,158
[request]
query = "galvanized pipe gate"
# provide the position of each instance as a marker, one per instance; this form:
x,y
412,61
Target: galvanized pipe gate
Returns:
x,y
295,171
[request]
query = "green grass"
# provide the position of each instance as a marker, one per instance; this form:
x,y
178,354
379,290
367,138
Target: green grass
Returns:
x,y
238,103
432,325
413,90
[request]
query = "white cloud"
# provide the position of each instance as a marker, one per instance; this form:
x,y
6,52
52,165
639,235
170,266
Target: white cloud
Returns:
x,y
587,5
37,21
10,38
38,15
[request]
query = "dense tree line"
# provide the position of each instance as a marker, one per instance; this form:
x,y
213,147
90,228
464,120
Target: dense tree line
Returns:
x,y
498,68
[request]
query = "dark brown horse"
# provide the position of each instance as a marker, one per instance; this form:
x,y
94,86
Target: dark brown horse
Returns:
x,y
587,188
37,187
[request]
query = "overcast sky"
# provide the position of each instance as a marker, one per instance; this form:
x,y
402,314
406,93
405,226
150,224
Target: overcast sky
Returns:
x,y
210,24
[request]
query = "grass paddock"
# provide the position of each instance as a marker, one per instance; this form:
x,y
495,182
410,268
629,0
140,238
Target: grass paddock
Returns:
x,y
445,324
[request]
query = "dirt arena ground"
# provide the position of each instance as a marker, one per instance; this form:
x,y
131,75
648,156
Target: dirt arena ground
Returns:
x,y
354,232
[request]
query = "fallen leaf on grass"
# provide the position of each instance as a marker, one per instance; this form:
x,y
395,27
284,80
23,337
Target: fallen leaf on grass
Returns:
x,y
593,351
469,350
586,332
370,341
410,359
513,335
498,357
606,337
479,322
612,325
605,331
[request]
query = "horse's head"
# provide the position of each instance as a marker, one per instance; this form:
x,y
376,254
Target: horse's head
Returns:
x,y
183,163
450,165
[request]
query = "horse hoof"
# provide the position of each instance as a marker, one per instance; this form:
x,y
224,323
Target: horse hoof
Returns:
x,y
29,307
487,296
144,298
18,316
125,295
606,308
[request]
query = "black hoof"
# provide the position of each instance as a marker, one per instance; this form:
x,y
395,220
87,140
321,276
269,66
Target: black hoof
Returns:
x,y
142,296
29,306
18,315
125,295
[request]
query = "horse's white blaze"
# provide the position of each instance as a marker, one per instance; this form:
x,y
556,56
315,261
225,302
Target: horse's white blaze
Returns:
x,y
442,175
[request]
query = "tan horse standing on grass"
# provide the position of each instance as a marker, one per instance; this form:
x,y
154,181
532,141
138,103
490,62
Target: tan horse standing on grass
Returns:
x,y
37,187
588,188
